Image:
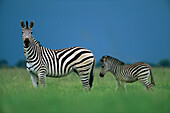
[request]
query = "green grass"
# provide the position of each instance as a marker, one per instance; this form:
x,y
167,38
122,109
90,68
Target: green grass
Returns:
x,y
66,94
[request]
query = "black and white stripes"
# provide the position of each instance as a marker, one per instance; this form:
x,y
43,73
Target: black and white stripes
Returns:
x,y
42,62
127,73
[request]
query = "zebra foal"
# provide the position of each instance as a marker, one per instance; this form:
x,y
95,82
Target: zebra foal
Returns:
x,y
42,62
127,73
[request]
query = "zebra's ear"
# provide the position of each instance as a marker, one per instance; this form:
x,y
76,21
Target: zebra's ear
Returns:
x,y
104,58
101,60
22,24
31,24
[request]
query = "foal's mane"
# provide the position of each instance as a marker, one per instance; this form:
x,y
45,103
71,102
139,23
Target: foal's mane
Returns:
x,y
115,60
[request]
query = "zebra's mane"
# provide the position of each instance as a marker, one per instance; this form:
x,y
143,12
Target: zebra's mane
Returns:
x,y
114,60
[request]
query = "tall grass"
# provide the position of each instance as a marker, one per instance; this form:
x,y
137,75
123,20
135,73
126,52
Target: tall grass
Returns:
x,y
66,94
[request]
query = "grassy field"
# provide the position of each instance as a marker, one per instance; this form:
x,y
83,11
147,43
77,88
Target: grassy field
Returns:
x,y
66,95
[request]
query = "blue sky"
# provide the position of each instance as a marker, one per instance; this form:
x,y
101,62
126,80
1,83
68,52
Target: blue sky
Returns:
x,y
130,30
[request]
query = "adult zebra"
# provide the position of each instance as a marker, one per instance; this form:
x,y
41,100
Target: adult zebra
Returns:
x,y
127,73
42,62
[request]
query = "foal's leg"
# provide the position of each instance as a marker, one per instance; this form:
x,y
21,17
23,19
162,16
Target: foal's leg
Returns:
x,y
143,77
124,86
145,81
117,84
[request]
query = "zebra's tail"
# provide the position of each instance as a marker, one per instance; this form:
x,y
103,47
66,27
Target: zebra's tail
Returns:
x,y
152,79
91,74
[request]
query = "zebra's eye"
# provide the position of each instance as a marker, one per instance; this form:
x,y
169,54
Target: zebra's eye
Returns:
x,y
31,32
22,32
102,66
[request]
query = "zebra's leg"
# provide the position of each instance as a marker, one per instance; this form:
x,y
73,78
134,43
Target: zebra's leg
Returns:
x,y
117,85
42,78
83,74
85,81
34,79
124,86
145,81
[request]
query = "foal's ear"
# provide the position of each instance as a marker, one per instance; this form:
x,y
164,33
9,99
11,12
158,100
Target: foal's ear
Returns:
x,y
31,24
22,24
105,59
101,60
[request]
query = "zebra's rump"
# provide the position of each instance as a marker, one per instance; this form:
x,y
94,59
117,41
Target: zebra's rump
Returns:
x,y
136,71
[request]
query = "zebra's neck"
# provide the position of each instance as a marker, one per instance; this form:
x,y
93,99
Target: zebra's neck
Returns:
x,y
114,64
32,50
112,67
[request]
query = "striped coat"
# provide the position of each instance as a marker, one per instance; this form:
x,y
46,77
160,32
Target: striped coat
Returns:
x,y
42,62
127,73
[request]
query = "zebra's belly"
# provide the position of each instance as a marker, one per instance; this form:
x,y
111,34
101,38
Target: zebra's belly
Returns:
x,y
130,80
57,75
122,79
127,79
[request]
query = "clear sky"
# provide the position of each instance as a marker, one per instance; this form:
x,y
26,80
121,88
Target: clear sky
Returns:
x,y
130,30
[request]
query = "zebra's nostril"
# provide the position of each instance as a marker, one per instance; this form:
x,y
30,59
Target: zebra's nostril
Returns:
x,y
26,42
101,75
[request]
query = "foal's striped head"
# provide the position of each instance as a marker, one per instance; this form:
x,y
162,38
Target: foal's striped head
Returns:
x,y
27,33
109,63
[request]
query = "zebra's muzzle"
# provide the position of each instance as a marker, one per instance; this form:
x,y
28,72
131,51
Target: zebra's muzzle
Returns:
x,y
26,42
101,75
